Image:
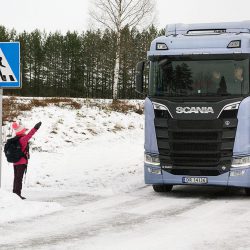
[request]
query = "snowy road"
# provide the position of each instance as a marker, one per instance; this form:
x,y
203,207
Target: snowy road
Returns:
x,y
89,194
187,218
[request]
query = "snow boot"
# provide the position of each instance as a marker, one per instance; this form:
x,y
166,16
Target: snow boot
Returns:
x,y
23,198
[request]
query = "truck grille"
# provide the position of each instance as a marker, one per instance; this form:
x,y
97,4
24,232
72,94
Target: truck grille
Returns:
x,y
196,147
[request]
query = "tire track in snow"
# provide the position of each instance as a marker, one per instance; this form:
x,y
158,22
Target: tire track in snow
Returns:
x,y
74,199
116,220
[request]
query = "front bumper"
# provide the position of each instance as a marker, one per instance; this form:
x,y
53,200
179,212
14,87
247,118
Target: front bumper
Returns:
x,y
239,177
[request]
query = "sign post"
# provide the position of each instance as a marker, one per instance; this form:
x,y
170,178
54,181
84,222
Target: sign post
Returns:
x,y
10,78
1,137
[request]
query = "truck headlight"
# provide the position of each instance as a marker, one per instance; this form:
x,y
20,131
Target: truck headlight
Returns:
x,y
159,106
234,44
161,46
241,162
152,159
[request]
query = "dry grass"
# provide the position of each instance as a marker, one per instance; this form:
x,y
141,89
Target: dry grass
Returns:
x,y
118,127
12,107
124,107
38,103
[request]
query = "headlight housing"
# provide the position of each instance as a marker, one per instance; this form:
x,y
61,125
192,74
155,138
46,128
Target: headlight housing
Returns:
x,y
234,44
232,106
241,162
161,46
159,106
152,159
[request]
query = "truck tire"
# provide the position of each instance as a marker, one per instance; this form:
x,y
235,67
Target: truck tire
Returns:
x,y
247,191
162,188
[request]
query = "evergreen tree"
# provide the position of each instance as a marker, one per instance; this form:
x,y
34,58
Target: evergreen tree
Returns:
x,y
79,65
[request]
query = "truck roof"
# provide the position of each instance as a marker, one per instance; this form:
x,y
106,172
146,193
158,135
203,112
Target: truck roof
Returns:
x,y
225,27
203,38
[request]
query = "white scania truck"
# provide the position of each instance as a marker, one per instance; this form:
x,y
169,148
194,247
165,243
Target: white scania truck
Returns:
x,y
197,109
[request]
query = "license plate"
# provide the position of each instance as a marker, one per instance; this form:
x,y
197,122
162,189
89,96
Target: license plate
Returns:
x,y
195,180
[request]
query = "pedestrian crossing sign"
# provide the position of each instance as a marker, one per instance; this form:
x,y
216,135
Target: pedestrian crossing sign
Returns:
x,y
10,65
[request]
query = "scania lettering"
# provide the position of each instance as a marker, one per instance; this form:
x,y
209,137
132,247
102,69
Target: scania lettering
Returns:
x,y
197,109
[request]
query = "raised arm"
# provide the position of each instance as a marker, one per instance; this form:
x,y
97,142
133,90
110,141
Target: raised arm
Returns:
x,y
27,137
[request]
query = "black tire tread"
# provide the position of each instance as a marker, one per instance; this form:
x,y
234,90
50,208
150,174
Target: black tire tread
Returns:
x,y
247,191
162,188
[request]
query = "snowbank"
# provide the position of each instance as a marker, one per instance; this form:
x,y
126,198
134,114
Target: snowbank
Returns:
x,y
12,208
86,150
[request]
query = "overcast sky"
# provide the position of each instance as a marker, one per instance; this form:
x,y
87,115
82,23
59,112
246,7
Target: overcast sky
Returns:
x,y
64,15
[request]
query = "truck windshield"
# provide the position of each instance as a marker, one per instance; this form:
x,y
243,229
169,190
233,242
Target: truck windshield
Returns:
x,y
169,77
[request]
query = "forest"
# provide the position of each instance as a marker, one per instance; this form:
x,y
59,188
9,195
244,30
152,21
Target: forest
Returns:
x,y
78,65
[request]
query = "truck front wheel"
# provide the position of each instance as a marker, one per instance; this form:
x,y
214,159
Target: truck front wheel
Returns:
x,y
247,191
162,188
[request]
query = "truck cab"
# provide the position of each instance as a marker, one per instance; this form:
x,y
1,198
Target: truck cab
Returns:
x,y
197,109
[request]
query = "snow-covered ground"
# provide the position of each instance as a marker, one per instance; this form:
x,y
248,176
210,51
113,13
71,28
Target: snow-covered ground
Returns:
x,y
85,190
92,150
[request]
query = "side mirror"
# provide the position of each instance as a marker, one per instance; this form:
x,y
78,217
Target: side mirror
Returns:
x,y
139,77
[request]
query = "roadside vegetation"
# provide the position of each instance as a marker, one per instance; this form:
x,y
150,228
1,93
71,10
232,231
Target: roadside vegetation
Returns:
x,y
16,106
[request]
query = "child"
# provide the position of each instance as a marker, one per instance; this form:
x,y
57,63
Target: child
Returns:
x,y
21,166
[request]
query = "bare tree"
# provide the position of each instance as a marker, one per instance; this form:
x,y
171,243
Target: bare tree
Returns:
x,y
115,15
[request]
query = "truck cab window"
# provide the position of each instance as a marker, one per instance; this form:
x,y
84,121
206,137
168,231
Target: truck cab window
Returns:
x,y
199,77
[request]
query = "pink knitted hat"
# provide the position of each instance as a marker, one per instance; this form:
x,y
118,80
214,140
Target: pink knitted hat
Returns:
x,y
19,129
